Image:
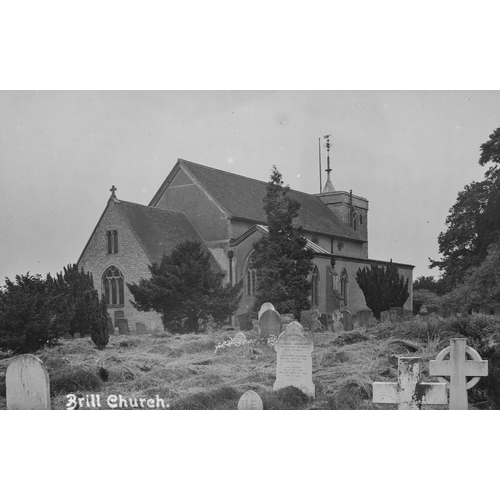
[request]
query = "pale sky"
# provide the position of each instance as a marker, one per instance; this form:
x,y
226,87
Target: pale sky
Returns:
x,y
408,152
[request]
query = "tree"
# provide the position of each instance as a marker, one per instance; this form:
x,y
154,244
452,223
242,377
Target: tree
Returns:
x,y
383,287
185,290
425,283
473,222
78,298
281,259
27,319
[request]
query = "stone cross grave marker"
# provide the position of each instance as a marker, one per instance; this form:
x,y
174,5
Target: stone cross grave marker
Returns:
x,y
27,384
270,323
264,307
347,320
294,363
408,392
458,367
250,400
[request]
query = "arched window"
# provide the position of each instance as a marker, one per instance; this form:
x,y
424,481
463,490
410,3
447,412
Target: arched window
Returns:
x,y
250,279
315,287
113,286
112,240
355,221
344,281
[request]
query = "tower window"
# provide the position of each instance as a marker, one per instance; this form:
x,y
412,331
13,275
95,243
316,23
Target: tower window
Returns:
x,y
344,281
360,219
251,279
355,221
113,287
112,239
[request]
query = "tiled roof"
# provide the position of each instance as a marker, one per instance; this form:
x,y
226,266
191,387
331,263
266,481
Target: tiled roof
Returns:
x,y
158,230
241,197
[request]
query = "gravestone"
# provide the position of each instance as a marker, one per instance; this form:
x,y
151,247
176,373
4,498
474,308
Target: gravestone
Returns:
x,y
27,384
294,359
250,400
458,368
240,338
347,321
409,393
365,317
122,325
245,322
140,328
67,335
337,325
485,309
111,330
76,335
270,323
397,314
306,320
265,307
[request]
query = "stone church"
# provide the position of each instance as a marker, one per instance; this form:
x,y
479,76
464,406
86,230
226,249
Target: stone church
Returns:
x,y
225,212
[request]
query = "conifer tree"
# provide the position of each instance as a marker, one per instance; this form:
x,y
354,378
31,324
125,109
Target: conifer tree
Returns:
x,y
185,290
281,259
383,287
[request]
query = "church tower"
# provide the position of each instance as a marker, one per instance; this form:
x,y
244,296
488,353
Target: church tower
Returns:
x,y
349,208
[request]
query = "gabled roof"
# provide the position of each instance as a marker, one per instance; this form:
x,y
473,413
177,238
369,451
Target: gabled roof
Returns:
x,y
264,230
241,197
157,230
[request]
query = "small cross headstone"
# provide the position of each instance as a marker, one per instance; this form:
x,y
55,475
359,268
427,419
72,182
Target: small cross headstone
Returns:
x,y
408,392
122,325
250,400
27,384
270,324
347,321
458,367
140,328
264,307
294,359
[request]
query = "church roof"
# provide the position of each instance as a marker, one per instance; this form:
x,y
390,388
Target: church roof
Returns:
x,y
157,230
241,197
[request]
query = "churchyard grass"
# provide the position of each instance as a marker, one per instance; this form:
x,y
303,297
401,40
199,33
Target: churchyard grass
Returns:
x,y
190,372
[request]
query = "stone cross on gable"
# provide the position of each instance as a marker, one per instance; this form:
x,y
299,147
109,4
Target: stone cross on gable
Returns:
x,y
113,189
458,367
408,392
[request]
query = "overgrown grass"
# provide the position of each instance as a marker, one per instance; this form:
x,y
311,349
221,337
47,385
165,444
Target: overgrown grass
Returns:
x,y
185,371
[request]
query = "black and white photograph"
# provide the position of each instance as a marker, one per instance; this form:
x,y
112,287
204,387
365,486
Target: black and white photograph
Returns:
x,y
250,250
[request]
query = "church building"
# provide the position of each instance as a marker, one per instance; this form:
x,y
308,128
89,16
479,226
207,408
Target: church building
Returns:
x,y
225,212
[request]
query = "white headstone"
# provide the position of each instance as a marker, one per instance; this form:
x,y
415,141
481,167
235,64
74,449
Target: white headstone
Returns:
x,y
250,400
27,384
294,363
457,369
408,392
265,307
240,337
270,323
